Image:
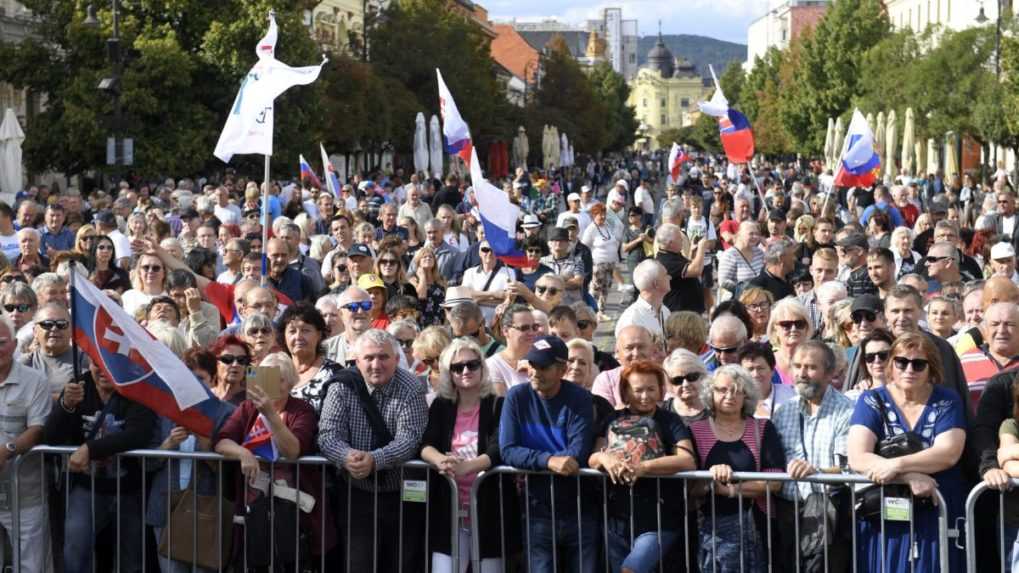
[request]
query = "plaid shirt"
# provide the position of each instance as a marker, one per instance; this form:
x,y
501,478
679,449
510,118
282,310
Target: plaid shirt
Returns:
x,y
343,426
823,435
859,283
809,300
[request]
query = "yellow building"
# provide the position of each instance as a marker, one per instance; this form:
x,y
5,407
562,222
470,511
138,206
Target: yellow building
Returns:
x,y
665,93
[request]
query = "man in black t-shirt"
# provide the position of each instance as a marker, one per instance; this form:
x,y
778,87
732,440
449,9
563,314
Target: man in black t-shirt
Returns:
x,y
685,292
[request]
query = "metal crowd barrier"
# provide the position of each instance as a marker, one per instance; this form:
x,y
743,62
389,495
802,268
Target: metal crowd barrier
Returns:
x,y
944,531
146,456
971,534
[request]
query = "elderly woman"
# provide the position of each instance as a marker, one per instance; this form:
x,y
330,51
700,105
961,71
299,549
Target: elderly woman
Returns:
x,y
912,401
258,332
233,357
906,258
425,352
759,360
876,348
148,281
293,428
604,240
581,369
685,329
102,266
685,373
429,286
758,304
301,330
643,511
19,303
462,439
731,440
788,327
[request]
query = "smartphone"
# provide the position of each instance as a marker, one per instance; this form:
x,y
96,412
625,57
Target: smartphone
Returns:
x,y
267,378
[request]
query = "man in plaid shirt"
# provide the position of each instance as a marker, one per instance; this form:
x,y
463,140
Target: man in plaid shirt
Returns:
x,y
369,445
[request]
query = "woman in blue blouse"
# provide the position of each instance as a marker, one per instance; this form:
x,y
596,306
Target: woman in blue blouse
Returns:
x,y
911,401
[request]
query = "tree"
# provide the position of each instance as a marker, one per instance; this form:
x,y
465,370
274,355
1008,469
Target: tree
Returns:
x,y
621,121
759,101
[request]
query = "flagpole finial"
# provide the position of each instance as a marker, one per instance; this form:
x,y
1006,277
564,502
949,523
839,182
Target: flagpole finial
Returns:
x,y
272,13
659,28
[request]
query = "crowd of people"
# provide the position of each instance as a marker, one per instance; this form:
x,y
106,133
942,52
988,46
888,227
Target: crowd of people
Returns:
x,y
770,322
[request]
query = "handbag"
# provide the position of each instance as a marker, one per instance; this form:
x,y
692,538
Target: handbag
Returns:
x,y
869,499
205,518
818,518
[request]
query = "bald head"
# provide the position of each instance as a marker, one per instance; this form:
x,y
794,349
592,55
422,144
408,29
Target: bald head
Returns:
x,y
260,299
1000,328
633,343
999,289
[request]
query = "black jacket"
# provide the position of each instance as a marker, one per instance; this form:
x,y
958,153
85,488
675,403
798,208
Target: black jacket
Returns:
x,y
439,435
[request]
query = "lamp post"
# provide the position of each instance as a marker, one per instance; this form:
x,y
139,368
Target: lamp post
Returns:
x,y
982,19
118,150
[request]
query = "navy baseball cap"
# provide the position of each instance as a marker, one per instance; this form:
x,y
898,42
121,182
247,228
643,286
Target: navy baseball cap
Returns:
x,y
359,250
546,351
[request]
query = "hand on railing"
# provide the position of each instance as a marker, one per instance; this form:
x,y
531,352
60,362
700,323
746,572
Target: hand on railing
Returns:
x,y
359,464
998,479
563,465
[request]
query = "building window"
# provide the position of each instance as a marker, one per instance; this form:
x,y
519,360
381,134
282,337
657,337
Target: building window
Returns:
x,y
664,103
633,58
684,103
643,102
665,120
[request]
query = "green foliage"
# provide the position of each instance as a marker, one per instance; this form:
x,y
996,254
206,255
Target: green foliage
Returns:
x,y
621,120
732,81
759,101
567,99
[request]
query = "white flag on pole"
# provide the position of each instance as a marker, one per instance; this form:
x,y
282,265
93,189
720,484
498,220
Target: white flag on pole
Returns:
x,y
249,126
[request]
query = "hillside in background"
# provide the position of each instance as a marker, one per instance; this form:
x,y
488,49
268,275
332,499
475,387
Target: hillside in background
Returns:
x,y
698,50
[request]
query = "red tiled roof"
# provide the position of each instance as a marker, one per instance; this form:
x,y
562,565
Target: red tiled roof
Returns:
x,y
513,52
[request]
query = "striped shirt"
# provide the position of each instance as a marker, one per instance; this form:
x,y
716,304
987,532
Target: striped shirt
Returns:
x,y
823,434
735,268
979,366
705,439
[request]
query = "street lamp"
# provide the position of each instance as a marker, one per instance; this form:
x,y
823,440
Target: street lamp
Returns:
x,y
111,86
983,19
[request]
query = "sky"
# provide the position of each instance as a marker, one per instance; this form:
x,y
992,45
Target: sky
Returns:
x,y
722,19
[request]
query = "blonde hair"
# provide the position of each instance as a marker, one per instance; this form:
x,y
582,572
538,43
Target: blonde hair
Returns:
x,y
446,388
791,306
285,364
431,341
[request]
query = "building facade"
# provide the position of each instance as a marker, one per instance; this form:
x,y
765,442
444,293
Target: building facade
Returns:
x,y
665,93
950,14
784,22
14,21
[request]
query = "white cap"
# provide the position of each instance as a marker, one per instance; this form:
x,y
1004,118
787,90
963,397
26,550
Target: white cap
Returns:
x,y
585,189
615,196
572,197
531,221
1002,251
622,183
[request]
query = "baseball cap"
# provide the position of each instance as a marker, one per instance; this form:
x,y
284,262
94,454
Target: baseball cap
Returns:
x,y
559,234
853,240
1002,250
622,183
573,197
867,302
776,215
570,222
531,221
106,217
456,295
546,351
585,188
359,250
369,281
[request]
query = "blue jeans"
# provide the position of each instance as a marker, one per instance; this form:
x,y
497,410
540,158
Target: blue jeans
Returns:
x,y
79,535
576,551
643,555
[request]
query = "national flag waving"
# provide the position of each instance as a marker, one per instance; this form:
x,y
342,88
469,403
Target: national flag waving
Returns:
x,y
307,175
454,128
140,368
260,441
332,179
733,126
859,162
249,126
677,157
498,216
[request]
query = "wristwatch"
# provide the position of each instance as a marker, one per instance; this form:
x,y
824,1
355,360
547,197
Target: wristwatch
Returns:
x,y
11,447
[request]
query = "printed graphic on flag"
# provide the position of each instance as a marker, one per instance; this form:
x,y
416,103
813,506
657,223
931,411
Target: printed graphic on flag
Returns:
x,y
259,440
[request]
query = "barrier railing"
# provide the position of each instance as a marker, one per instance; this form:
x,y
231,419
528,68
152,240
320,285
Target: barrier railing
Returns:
x,y
149,459
945,532
1004,549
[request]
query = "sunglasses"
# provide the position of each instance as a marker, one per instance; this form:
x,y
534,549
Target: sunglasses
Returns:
x,y
526,327
863,315
59,324
341,268
585,324
104,248
463,367
544,289
692,378
485,250
931,259
917,364
728,350
17,307
151,268
363,306
388,262
258,331
230,360
879,356
13,278
793,324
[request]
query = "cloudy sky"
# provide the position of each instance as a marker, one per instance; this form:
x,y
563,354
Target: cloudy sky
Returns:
x,y
722,19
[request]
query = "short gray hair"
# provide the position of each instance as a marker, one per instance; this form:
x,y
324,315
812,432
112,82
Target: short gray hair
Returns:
x,y
169,336
727,322
682,358
776,251
256,320
47,280
344,297
284,363
446,388
17,289
398,325
743,381
581,308
29,231
646,273
464,311
828,360
667,233
326,300
380,338
836,289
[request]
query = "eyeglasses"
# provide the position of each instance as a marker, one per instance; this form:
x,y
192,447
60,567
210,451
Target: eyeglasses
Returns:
x,y
931,259
728,350
730,391
917,364
13,278
406,342
230,360
151,268
17,307
362,306
859,316
552,291
793,324
388,262
692,378
463,367
485,250
584,324
759,306
104,247
58,324
526,327
879,356
259,331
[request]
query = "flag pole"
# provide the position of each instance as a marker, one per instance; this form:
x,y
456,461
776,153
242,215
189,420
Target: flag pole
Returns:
x,y
75,353
265,222
835,176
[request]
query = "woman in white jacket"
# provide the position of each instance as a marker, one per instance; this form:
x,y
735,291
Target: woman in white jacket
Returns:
x,y
604,240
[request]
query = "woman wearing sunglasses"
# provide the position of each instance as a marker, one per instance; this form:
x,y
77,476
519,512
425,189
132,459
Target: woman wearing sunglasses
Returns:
x,y
148,280
389,267
913,400
685,372
19,303
429,286
233,357
876,348
102,266
462,439
788,327
258,332
84,238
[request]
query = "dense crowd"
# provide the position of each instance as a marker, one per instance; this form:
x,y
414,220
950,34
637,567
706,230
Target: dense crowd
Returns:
x,y
769,323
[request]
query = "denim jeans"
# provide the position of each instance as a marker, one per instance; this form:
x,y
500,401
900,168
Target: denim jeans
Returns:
x,y
643,555
574,548
79,535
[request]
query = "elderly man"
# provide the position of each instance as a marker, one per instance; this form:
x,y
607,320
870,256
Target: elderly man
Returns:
x,y
814,427
466,319
725,336
415,208
304,264
1003,261
685,290
296,285
388,218
999,329
372,421
633,343
444,253
29,256
355,313
573,210
546,426
53,355
948,232
233,257
994,290
779,261
568,265
943,264
852,250
652,282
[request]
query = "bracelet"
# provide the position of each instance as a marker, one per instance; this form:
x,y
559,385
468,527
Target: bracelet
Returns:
x,y
64,406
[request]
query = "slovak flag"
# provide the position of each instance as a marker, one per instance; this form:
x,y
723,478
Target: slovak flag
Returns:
x,y
142,369
307,175
859,164
259,440
677,157
454,128
332,178
498,216
733,126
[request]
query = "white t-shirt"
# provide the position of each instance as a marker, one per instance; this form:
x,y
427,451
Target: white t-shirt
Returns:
x,y
500,372
1008,225
476,277
121,245
229,215
9,246
135,299
643,198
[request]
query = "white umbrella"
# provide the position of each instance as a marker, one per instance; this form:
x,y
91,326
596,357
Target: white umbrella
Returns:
x,y
435,147
951,158
11,170
829,141
870,121
933,162
420,144
546,148
564,151
879,134
836,149
554,147
890,141
908,142
920,149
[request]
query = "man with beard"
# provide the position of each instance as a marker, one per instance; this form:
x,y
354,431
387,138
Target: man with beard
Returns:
x,y
813,426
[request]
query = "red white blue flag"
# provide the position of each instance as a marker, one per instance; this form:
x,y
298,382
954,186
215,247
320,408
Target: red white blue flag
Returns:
x,y
454,128
332,178
259,440
859,164
733,126
308,176
141,368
